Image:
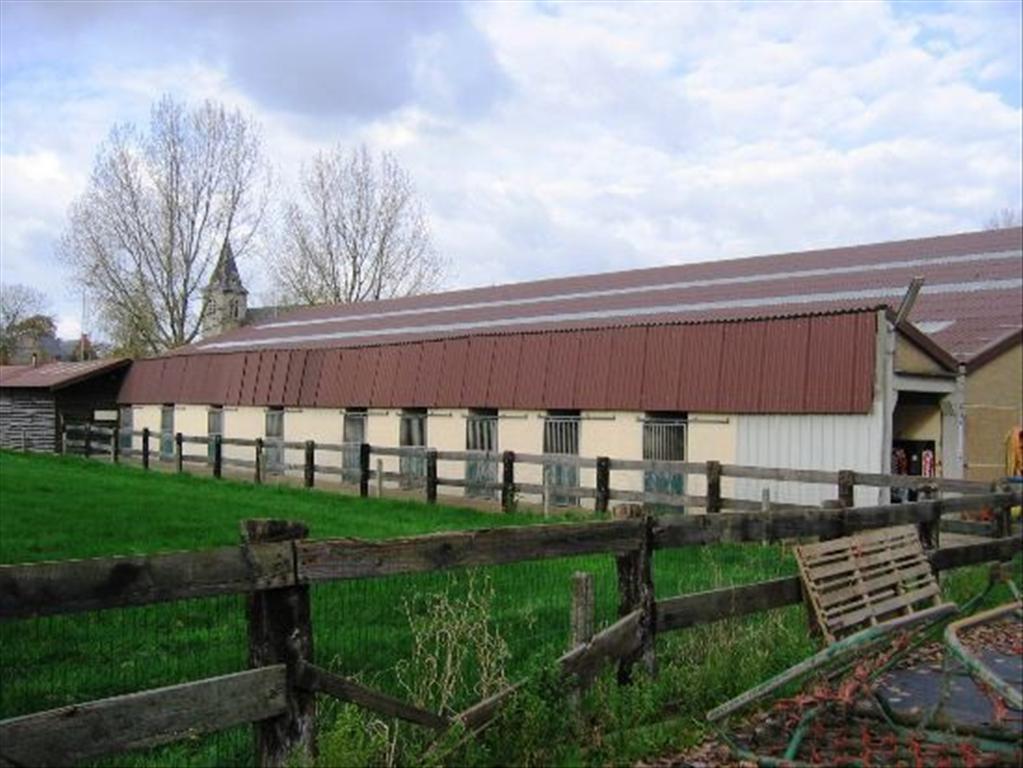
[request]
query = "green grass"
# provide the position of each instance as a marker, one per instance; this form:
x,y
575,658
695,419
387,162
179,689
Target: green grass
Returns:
x,y
56,508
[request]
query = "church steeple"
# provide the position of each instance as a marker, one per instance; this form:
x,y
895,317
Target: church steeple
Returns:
x,y
225,295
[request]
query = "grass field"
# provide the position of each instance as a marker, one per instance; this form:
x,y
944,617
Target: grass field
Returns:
x,y
57,507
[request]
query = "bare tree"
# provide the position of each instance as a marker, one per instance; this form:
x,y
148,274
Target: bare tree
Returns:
x,y
22,314
1004,219
359,233
145,235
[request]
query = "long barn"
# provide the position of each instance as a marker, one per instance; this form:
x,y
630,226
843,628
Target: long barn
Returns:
x,y
796,360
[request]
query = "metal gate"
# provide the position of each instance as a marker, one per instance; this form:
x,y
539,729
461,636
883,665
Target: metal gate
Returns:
x,y
561,436
273,443
481,435
167,433
214,427
413,435
352,437
664,439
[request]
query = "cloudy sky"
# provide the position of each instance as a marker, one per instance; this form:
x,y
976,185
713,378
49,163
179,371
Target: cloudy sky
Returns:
x,y
548,139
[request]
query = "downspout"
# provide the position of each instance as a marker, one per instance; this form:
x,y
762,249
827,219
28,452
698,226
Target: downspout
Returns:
x,y
885,364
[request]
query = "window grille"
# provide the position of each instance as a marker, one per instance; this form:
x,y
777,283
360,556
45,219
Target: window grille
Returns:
x,y
167,432
413,435
353,436
561,437
273,442
214,427
481,435
664,439
125,428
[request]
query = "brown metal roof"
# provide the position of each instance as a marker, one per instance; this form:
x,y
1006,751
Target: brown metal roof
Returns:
x,y
971,298
803,364
56,375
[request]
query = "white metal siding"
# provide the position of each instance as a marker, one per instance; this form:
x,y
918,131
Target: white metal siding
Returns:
x,y
809,442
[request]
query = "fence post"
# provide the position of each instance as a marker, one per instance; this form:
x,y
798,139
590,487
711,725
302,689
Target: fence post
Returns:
x,y
145,448
582,621
930,530
280,631
179,451
636,591
1003,515
380,478
603,485
713,487
258,463
87,448
508,480
115,445
431,476
218,455
364,470
765,499
24,440
310,463
846,487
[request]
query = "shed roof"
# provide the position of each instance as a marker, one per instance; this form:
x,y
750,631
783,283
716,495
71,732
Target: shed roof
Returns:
x,y
972,298
53,376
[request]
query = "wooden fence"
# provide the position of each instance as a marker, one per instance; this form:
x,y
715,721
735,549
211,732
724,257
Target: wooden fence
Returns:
x,y
106,442
276,566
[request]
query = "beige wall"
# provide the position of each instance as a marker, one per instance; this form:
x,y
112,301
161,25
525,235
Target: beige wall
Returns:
x,y
323,425
522,432
382,428
710,438
909,358
445,431
918,422
617,435
993,405
144,416
243,423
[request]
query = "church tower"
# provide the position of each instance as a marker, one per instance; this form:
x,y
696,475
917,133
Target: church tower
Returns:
x,y
225,295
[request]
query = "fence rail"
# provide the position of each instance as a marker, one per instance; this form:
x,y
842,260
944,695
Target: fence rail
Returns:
x,y
276,565
422,473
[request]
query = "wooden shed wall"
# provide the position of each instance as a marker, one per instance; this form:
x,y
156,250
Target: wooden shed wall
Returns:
x,y
28,414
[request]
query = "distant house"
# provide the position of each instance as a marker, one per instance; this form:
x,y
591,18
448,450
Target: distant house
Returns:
x,y
37,400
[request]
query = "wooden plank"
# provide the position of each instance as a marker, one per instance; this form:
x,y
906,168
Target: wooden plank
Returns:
x,y
312,678
617,641
469,456
71,586
719,604
999,550
332,559
80,732
784,475
548,459
650,465
642,497
891,577
536,488
481,713
878,609
969,527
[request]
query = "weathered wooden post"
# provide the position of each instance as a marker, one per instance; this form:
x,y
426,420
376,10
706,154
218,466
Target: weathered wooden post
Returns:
x,y
713,487
546,490
765,500
364,469
310,463
24,440
179,451
636,591
847,488
280,631
145,448
87,446
431,476
582,622
218,455
1003,515
258,463
508,481
603,485
380,478
930,529
63,439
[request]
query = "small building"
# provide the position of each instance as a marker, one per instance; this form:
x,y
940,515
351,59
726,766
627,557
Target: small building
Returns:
x,y
796,360
36,401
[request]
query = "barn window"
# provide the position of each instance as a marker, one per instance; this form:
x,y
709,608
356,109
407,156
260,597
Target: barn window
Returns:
x,y
273,442
214,427
413,435
167,432
481,435
125,428
561,437
664,439
353,436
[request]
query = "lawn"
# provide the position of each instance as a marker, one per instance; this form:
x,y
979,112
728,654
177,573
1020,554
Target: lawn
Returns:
x,y
63,507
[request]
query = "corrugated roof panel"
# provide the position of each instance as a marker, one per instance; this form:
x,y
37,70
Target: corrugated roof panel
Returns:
x,y
279,380
449,389
559,389
383,382
741,363
197,379
131,388
406,379
866,347
174,375
235,376
431,371
249,376
293,382
532,371
477,372
362,367
832,378
700,370
783,375
332,383
662,366
503,370
265,377
594,368
310,381
625,379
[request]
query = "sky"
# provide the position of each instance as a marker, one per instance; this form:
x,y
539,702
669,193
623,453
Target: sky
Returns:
x,y
545,139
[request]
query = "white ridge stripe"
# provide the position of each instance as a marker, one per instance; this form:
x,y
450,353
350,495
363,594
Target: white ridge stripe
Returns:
x,y
873,293
818,272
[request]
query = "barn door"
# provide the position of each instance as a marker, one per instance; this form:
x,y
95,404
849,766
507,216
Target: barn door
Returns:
x,y
481,435
561,438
